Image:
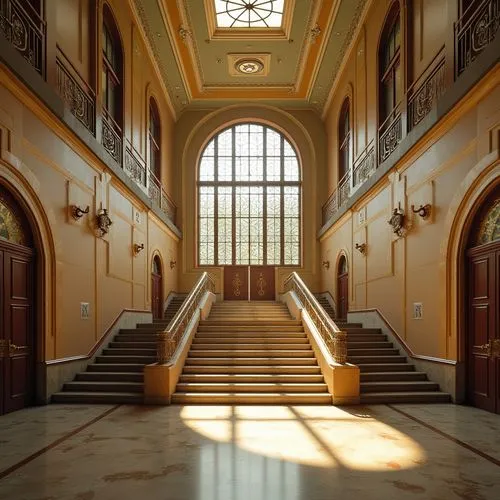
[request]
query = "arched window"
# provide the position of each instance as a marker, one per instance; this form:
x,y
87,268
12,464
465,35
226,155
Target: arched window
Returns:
x,y
112,73
154,139
249,199
390,75
344,140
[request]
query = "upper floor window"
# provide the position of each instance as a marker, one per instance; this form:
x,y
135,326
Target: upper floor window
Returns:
x,y
154,139
249,199
112,69
390,64
344,140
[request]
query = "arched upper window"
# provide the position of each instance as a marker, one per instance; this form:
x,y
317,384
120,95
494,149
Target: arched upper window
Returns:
x,y
344,140
390,65
249,199
112,72
154,139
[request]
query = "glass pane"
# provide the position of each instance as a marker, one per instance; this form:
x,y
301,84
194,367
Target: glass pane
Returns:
x,y
397,83
225,143
273,147
210,149
225,169
291,169
207,168
224,221
287,149
273,169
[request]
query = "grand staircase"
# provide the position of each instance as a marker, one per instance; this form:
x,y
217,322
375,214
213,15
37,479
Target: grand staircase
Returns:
x,y
251,352
116,376
386,375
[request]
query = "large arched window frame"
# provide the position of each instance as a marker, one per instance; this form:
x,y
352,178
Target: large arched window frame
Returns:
x,y
112,72
249,198
154,137
390,68
344,140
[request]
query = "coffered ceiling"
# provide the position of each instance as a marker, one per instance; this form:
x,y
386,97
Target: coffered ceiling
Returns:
x,y
204,65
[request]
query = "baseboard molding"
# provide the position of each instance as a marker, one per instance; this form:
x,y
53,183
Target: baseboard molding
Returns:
x,y
440,370
56,372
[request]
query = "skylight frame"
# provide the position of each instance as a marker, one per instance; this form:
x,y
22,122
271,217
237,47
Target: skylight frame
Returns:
x,y
250,14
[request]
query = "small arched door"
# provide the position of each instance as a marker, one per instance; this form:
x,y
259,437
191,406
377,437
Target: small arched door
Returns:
x,y
156,288
17,333
483,311
342,288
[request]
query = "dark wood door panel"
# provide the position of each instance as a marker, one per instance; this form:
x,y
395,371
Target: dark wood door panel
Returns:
x,y
236,283
343,291
156,294
262,283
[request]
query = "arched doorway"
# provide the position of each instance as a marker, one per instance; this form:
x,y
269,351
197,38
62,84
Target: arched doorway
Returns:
x,y
483,306
17,317
156,288
342,288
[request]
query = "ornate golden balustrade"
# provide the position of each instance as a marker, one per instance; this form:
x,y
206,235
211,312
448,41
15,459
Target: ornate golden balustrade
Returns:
x,y
334,339
170,338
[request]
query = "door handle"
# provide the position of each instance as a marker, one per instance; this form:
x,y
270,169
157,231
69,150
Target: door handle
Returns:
x,y
482,349
13,347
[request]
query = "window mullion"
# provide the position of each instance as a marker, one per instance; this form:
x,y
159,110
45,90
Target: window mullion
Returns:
x,y
216,201
233,194
282,202
264,212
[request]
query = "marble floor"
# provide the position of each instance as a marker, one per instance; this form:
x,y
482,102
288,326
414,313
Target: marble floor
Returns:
x,y
441,452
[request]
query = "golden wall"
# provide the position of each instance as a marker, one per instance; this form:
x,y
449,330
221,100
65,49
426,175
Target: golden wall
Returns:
x,y
50,170
397,272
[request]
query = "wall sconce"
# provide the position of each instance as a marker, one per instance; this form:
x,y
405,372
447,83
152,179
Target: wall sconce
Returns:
x,y
423,210
397,221
138,248
103,221
361,248
173,263
326,264
77,212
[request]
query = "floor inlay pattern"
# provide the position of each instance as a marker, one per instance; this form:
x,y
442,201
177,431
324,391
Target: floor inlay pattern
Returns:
x,y
250,452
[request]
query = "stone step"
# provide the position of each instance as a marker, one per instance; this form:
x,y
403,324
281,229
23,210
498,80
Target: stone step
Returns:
x,y
132,345
368,345
116,367
250,328
98,397
137,337
145,360
102,386
129,352
392,376
244,346
248,335
385,367
399,386
371,337
282,341
266,361
140,331
356,352
276,388
404,397
252,398
366,360
227,370
109,376
254,378
364,331
252,353
208,323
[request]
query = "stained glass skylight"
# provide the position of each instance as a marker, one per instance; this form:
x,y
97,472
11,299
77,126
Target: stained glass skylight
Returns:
x,y
249,13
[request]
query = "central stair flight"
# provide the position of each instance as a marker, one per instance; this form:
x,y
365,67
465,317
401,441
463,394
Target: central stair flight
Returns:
x,y
254,353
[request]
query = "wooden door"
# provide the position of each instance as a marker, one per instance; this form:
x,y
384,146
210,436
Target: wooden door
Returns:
x,y
342,289
483,337
236,283
156,290
17,339
262,283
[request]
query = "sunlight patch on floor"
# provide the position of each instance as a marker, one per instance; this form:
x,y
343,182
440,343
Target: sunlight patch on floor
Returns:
x,y
321,436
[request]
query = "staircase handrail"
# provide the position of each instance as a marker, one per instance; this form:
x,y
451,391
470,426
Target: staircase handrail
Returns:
x,y
334,338
169,339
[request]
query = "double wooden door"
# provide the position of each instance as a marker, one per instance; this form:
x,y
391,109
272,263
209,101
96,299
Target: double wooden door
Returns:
x,y
249,283
343,293
483,338
156,295
17,339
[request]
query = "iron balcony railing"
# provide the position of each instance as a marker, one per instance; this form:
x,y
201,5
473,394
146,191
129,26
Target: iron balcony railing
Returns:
x,y
25,30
